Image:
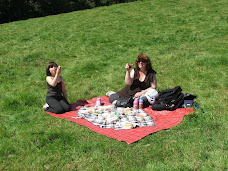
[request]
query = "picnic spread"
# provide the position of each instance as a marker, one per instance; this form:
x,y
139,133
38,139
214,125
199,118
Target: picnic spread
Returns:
x,y
117,118
83,112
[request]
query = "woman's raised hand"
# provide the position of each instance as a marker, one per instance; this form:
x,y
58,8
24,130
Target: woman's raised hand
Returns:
x,y
59,69
128,66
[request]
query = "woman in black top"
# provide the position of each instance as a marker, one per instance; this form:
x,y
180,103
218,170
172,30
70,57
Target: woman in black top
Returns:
x,y
140,81
56,94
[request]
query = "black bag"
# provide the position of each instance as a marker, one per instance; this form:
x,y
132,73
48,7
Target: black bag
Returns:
x,y
189,100
169,99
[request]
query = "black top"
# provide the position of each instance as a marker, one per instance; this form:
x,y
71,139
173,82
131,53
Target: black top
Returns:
x,y
137,86
54,91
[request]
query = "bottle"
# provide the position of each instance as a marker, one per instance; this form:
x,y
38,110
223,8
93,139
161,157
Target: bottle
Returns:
x,y
98,102
136,103
141,103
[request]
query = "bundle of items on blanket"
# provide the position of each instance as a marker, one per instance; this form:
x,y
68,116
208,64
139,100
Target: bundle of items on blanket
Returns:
x,y
117,118
171,99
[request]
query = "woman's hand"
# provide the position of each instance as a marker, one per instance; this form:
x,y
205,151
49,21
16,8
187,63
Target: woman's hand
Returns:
x,y
128,67
138,94
129,75
59,69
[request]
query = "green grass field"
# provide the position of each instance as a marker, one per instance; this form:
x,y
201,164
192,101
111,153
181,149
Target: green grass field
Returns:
x,y
187,42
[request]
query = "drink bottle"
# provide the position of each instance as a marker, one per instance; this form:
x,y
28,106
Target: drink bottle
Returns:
x,y
141,103
136,103
98,102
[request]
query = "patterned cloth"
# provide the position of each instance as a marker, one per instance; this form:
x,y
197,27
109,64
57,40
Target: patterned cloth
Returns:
x,y
116,118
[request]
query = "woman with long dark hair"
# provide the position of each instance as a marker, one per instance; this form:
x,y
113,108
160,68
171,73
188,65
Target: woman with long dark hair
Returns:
x,y
141,82
57,100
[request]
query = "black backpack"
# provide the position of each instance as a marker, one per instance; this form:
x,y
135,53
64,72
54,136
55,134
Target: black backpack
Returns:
x,y
169,99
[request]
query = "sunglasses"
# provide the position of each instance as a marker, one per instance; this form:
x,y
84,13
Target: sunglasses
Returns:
x,y
52,66
142,60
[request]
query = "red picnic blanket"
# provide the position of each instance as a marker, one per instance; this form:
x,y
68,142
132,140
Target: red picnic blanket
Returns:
x,y
162,119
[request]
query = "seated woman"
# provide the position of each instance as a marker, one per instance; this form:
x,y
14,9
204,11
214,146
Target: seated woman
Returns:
x,y
56,94
141,82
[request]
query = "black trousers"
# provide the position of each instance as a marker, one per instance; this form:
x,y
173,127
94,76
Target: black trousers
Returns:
x,y
115,96
57,104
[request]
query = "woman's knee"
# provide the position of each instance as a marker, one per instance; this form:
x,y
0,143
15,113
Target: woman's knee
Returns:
x,y
113,97
54,105
68,108
54,110
65,105
145,102
58,109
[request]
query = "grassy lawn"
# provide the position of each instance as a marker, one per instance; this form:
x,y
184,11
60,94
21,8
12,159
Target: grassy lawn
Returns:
x,y
188,45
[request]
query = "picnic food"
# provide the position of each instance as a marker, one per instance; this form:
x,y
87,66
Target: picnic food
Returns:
x,y
127,109
117,118
88,111
128,125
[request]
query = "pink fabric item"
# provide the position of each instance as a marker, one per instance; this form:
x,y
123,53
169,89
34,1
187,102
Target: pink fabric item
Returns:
x,y
162,119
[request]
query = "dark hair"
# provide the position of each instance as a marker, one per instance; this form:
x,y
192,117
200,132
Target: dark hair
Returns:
x,y
50,65
145,57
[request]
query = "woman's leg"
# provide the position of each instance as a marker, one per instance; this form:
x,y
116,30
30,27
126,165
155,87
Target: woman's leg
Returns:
x,y
64,103
145,102
113,97
120,101
149,97
54,105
